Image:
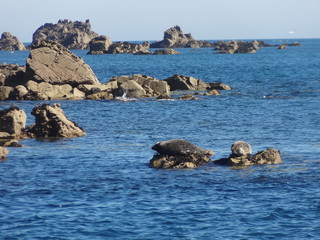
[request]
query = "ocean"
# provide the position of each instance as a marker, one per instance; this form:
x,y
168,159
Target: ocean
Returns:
x,y
100,186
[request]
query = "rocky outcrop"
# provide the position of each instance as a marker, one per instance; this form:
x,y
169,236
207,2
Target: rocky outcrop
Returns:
x,y
9,42
51,122
3,153
99,45
166,51
137,86
52,63
127,48
180,82
231,47
72,35
179,153
175,38
13,121
12,126
241,156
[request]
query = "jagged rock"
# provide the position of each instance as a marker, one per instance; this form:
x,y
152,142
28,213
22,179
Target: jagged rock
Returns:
x,y
3,153
175,38
72,35
268,156
128,48
51,122
9,42
138,85
11,74
179,153
231,47
52,63
241,156
5,92
166,51
180,82
99,45
13,122
146,44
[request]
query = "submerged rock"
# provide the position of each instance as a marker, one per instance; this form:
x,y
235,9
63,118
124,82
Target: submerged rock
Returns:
x,y
72,35
166,51
241,156
51,122
9,42
175,38
3,153
179,153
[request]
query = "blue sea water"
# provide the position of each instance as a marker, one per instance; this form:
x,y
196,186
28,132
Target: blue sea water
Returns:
x,y
100,186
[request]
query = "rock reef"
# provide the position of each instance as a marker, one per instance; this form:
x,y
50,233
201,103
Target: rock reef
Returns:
x,y
72,35
50,122
175,38
9,42
241,156
179,153
233,47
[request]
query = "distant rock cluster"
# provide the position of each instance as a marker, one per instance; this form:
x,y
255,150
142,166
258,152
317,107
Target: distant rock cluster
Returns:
x,y
72,35
175,38
9,42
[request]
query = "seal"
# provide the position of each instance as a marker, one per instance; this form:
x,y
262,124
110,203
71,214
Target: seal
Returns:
x,y
180,147
241,148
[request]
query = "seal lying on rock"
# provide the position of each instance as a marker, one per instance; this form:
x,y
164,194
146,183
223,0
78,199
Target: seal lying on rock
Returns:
x,y
179,147
179,153
241,156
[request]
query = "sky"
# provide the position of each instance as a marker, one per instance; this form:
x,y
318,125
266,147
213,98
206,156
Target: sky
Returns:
x,y
135,20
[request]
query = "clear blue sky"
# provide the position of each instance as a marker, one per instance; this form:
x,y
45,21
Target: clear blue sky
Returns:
x,y
147,20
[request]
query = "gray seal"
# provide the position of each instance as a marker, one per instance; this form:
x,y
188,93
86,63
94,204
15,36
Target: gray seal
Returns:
x,y
241,148
180,147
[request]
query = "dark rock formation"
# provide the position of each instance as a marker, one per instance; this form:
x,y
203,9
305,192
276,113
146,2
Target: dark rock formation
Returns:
x,y
72,35
231,47
127,48
180,82
137,86
51,122
175,38
11,74
179,154
12,126
13,121
241,156
8,42
99,45
282,46
52,63
166,51
3,153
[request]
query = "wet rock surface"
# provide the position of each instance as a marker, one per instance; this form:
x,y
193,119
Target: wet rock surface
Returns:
x,y
179,153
